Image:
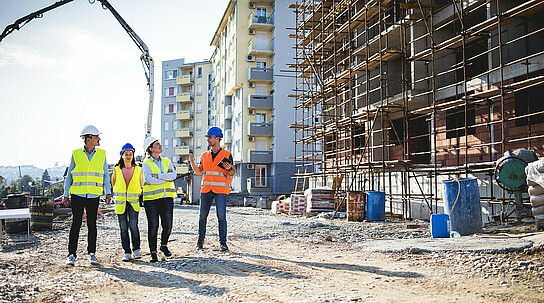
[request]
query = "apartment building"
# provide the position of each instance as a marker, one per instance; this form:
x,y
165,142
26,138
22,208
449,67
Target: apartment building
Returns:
x,y
186,116
397,96
250,88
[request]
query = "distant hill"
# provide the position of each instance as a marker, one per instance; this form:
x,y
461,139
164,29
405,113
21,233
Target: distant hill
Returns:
x,y
12,172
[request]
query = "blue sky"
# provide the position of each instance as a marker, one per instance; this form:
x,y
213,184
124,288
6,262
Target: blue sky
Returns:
x,y
77,66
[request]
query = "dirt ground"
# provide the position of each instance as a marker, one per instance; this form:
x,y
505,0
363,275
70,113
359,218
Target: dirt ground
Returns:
x,y
272,258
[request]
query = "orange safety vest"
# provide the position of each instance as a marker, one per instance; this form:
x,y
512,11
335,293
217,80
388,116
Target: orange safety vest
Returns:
x,y
214,178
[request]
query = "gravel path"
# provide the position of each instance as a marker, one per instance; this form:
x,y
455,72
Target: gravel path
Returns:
x,y
272,258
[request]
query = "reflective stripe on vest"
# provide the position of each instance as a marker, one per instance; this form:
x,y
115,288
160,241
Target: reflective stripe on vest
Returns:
x,y
88,176
214,178
123,194
215,183
157,191
216,173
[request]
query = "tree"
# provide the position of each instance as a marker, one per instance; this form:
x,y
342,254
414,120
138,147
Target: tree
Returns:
x,y
22,184
56,190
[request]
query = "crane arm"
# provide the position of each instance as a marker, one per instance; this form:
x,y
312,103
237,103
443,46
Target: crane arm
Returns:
x,y
19,23
145,57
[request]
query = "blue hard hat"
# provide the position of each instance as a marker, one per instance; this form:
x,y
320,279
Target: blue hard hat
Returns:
x,y
127,147
214,131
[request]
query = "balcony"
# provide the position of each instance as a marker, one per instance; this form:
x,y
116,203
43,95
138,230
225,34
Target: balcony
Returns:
x,y
228,136
260,22
182,150
261,48
259,184
259,74
259,156
182,168
184,97
184,80
184,115
259,129
259,101
183,133
228,112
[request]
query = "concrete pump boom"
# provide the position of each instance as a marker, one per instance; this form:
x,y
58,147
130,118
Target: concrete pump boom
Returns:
x,y
145,57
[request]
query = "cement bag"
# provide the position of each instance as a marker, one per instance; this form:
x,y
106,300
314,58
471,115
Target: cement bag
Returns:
x,y
535,173
537,210
535,190
537,201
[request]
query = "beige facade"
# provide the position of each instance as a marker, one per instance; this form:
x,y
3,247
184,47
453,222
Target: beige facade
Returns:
x,y
246,103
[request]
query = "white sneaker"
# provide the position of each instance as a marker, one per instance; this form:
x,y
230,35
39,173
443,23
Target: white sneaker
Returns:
x,y
70,260
126,258
137,254
92,259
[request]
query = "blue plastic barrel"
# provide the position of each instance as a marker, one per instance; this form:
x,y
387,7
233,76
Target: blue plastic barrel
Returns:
x,y
463,196
375,205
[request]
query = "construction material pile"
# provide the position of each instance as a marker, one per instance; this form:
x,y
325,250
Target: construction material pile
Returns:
x,y
535,180
313,200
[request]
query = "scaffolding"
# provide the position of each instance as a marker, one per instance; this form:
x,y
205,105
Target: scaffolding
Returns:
x,y
398,95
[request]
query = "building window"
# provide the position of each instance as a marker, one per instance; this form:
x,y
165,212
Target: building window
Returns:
x,y
527,102
199,107
169,91
198,142
261,63
455,121
199,90
175,159
167,126
165,143
199,73
260,175
198,125
169,109
175,125
170,74
260,117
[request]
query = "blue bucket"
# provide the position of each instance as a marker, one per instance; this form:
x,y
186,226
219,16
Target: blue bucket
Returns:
x,y
375,205
440,226
463,196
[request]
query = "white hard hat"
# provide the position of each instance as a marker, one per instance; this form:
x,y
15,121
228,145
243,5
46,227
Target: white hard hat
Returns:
x,y
148,141
90,130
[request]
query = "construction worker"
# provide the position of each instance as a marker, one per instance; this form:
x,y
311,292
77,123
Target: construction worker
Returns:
x,y
215,185
127,183
159,193
86,181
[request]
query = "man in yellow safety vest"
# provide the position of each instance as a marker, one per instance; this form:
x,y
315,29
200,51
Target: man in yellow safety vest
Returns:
x,y
86,181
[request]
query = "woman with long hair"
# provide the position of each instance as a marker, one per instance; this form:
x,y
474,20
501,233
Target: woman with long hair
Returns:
x,y
159,193
127,181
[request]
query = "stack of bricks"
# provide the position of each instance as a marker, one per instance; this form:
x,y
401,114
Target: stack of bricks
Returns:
x,y
298,205
281,206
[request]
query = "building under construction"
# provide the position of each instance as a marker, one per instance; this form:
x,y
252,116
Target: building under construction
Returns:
x,y
397,96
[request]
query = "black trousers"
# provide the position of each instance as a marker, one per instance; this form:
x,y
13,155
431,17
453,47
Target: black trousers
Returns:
x,y
91,207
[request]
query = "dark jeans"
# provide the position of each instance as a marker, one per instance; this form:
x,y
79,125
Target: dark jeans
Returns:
x,y
91,207
129,219
221,210
163,208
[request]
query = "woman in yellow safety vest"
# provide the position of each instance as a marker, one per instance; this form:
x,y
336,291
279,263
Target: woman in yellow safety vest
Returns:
x,y
159,193
127,183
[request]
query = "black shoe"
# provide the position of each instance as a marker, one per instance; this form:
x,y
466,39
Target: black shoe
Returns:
x,y
165,250
200,243
154,258
223,246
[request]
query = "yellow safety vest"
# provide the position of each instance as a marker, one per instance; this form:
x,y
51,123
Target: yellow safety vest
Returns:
x,y
157,191
88,176
123,194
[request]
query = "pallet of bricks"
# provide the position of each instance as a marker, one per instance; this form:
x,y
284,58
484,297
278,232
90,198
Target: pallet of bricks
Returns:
x,y
319,200
294,205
